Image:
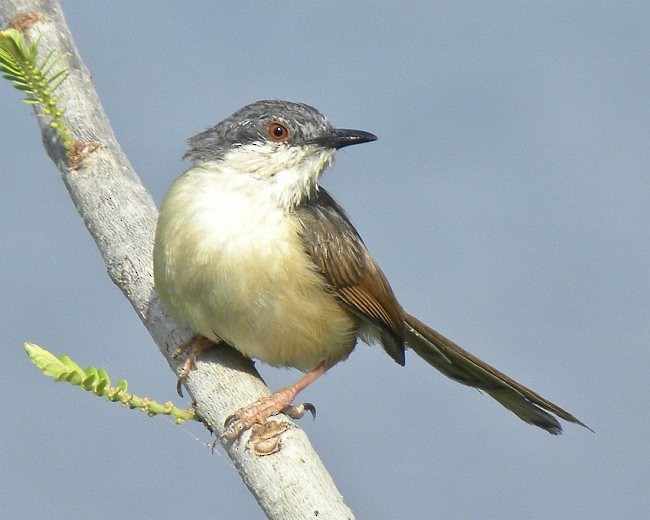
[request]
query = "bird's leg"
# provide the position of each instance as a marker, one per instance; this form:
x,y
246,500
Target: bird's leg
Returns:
x,y
278,402
196,344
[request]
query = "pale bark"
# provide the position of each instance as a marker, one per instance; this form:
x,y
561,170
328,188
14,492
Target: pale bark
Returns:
x,y
121,217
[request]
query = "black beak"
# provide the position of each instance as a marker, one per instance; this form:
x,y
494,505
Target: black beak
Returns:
x,y
340,137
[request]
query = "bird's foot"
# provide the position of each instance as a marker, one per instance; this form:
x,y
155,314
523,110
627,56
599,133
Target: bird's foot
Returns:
x,y
257,413
195,345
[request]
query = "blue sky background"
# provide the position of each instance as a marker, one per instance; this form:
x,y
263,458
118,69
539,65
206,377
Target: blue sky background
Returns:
x,y
507,201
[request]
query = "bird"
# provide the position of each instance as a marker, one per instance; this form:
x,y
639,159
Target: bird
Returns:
x,y
252,251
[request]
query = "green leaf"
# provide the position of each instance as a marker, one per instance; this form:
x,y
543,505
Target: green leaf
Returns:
x,y
14,79
88,382
71,364
19,62
101,386
10,69
54,77
90,378
48,363
74,378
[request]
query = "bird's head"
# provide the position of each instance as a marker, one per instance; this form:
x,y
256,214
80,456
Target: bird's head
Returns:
x,y
288,144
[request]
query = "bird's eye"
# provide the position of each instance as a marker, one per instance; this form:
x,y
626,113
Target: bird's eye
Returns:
x,y
277,132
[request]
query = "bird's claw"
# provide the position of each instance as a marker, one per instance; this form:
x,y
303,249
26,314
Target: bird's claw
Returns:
x,y
179,384
298,411
195,345
188,366
257,413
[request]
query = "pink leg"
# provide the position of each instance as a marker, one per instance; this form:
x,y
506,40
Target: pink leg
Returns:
x,y
278,402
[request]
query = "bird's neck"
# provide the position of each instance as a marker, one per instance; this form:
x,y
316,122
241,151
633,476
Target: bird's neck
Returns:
x,y
287,177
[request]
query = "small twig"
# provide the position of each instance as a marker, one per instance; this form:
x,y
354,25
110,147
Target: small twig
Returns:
x,y
96,380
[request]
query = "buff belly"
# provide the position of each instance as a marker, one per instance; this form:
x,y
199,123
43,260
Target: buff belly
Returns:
x,y
231,265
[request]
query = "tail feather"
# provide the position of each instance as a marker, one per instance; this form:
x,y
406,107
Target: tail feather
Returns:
x,y
462,366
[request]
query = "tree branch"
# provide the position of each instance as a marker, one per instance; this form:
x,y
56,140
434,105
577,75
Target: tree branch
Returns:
x,y
121,217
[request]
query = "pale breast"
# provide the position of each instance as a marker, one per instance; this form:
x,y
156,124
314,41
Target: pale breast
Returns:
x,y
230,263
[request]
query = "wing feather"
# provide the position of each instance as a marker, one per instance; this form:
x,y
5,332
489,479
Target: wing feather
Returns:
x,y
340,255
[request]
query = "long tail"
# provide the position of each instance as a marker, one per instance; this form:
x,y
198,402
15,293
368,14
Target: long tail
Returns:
x,y
458,364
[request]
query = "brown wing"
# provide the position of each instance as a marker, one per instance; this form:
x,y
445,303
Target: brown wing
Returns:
x,y
341,256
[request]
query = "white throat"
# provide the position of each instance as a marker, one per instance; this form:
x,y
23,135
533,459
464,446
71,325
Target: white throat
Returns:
x,y
287,174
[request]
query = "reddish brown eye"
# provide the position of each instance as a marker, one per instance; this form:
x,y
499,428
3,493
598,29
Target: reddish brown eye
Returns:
x,y
277,132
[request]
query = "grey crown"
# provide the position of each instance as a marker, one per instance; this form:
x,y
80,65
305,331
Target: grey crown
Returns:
x,y
248,125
